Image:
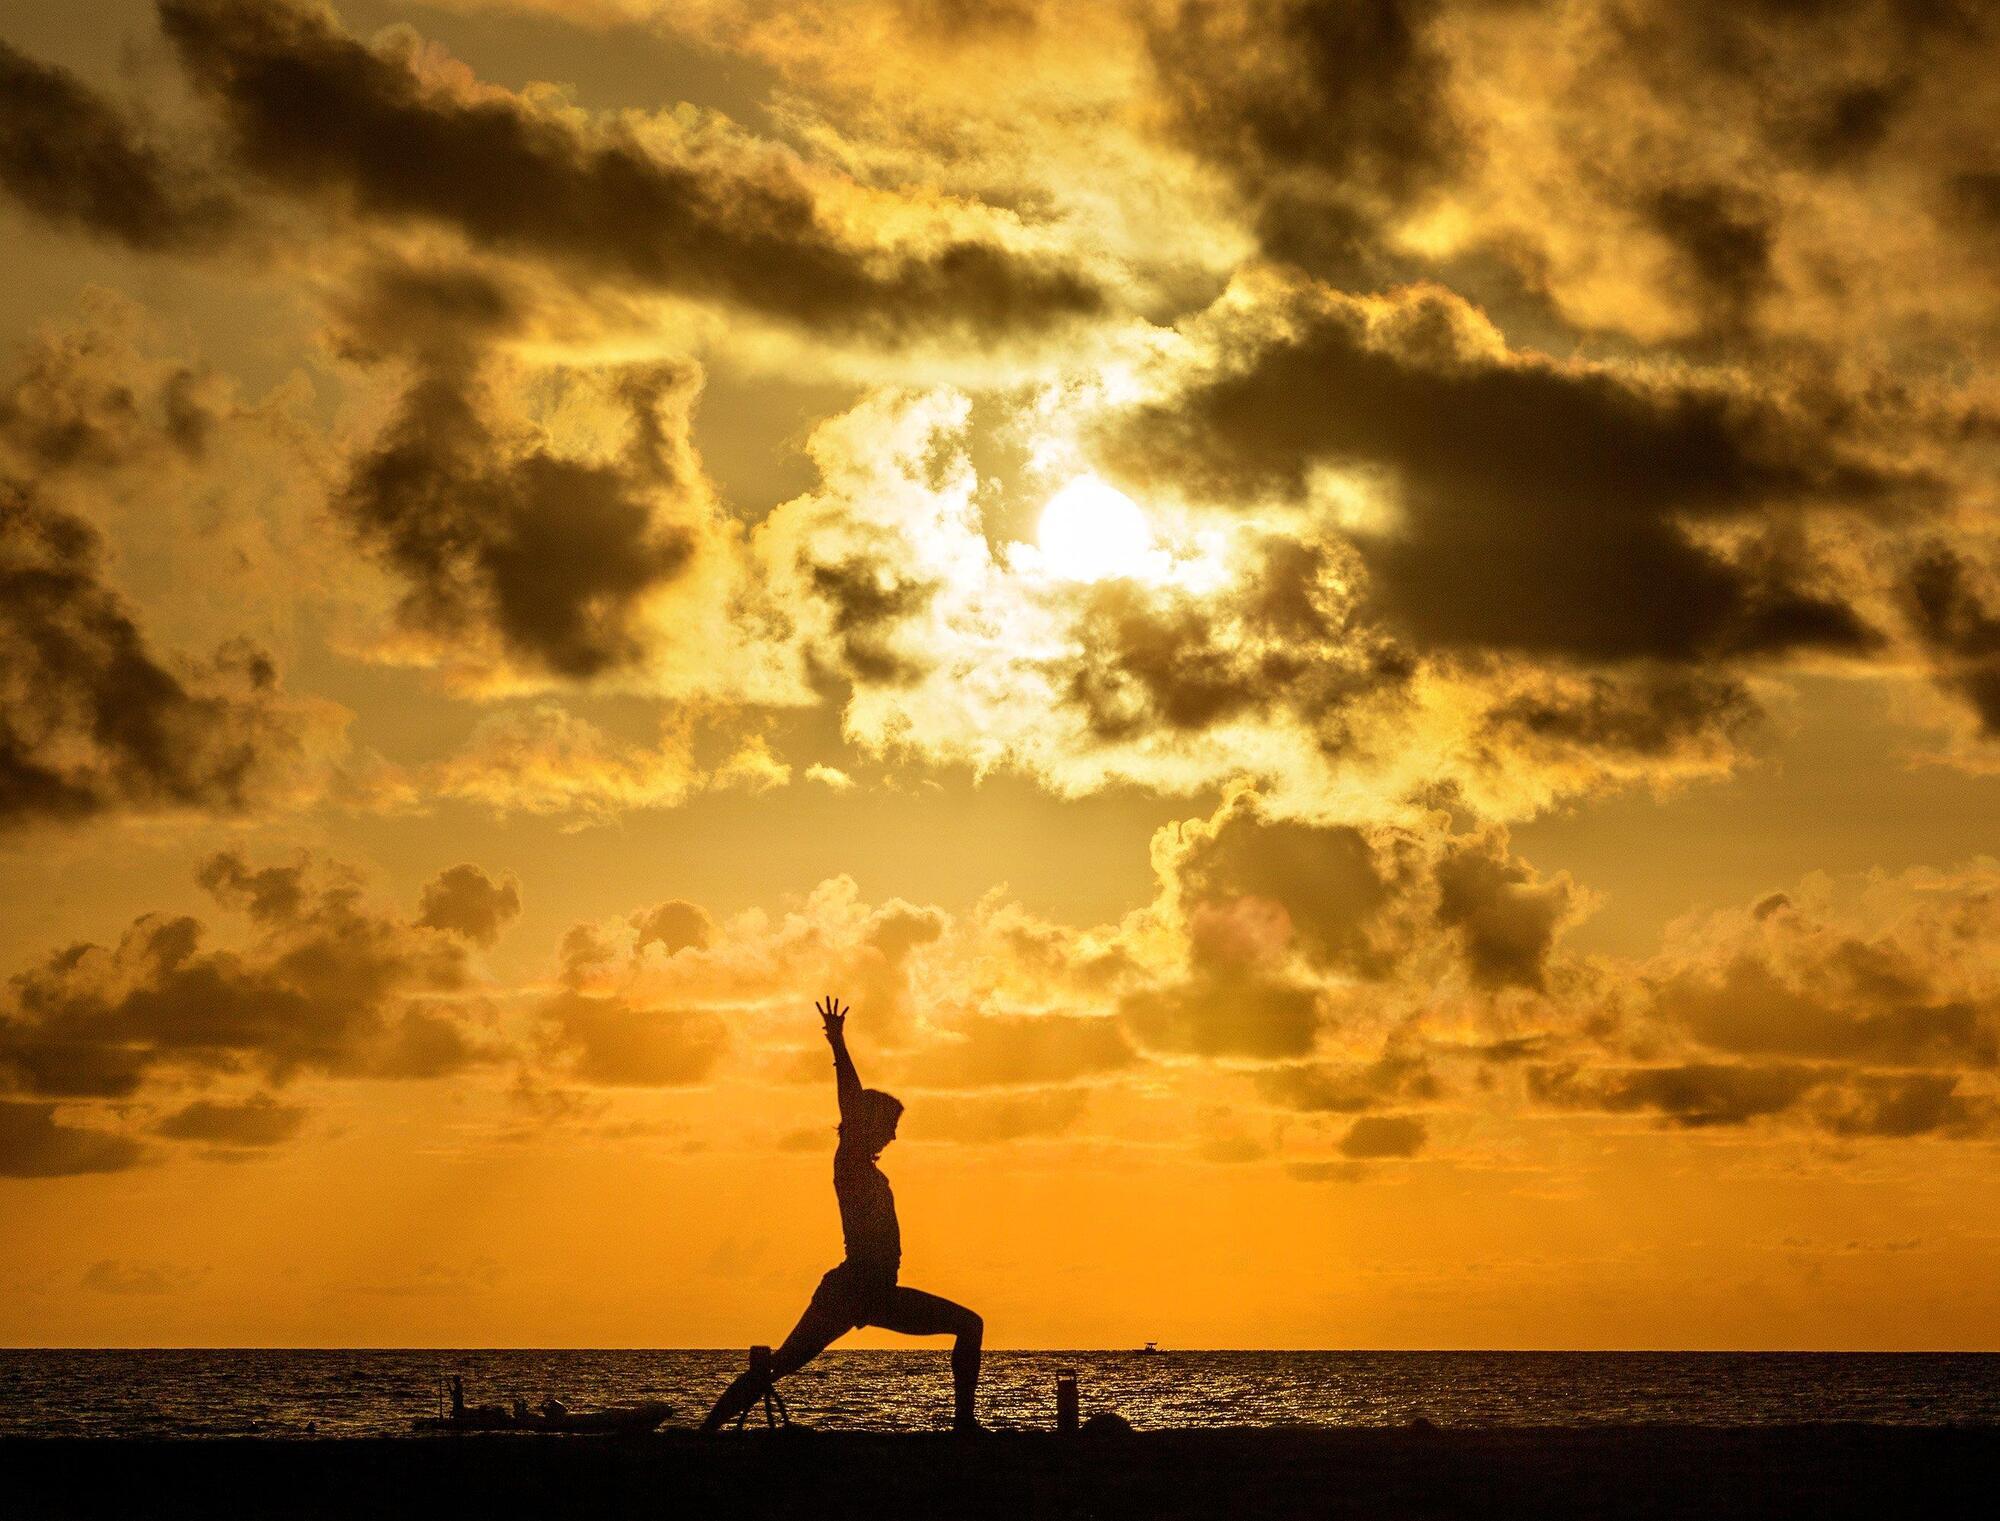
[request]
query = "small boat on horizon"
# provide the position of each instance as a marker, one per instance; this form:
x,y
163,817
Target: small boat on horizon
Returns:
x,y
1151,1349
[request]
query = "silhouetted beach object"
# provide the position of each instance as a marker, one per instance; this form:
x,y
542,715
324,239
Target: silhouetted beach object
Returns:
x,y
1107,1423
765,1387
608,1422
554,1418
1066,1404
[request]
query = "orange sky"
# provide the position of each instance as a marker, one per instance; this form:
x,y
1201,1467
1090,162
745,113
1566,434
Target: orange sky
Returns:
x,y
1367,636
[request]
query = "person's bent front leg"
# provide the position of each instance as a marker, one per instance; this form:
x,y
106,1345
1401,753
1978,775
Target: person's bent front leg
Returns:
x,y
915,1313
965,1351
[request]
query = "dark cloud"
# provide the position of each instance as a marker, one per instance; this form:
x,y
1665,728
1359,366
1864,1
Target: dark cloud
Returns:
x,y
439,316
1859,1013
112,1275
1772,904
1652,715
74,157
1232,1150
37,1059
608,1041
1897,981
1021,1050
1737,157
1839,1101
328,986
1725,162
1909,1104
34,1144
1329,1088
1843,128
997,1118
1789,77
1845,999
1328,115
1147,666
1507,1050
1974,197
258,1122
1154,658
1333,882
1326,1172
1375,1136
1504,913
870,600
1694,1095
81,400
1956,613
1060,958
1534,506
876,973
489,529
512,177
270,895
1362,901
969,20
674,926
93,721
467,902
897,928
583,954
1723,240
1235,998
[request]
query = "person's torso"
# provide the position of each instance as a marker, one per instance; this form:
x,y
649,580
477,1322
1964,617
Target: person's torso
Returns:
x,y
867,1212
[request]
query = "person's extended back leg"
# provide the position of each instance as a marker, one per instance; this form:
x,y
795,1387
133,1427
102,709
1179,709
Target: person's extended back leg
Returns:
x,y
912,1312
817,1330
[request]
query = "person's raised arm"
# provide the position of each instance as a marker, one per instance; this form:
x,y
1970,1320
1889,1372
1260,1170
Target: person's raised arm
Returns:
x,y
847,1082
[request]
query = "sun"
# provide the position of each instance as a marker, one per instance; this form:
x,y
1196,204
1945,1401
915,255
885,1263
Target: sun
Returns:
x,y
1091,532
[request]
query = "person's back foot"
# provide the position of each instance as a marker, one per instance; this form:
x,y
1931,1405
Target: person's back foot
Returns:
x,y
968,1426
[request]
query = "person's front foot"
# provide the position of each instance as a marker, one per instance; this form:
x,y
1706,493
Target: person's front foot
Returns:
x,y
967,1425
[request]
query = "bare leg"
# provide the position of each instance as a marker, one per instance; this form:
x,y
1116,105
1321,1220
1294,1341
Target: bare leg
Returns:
x,y
816,1331
912,1312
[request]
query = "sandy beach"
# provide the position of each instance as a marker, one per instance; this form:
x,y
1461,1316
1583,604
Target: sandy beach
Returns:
x,y
1655,1471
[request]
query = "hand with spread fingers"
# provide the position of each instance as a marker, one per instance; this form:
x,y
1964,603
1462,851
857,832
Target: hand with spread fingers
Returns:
x,y
833,1015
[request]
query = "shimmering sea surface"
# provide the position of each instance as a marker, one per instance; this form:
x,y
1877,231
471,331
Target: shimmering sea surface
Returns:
x,y
374,1393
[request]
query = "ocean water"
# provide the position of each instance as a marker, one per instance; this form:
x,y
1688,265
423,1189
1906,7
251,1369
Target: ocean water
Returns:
x,y
375,1393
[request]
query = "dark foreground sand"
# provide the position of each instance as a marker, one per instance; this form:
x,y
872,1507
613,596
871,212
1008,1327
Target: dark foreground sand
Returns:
x,y
1883,1473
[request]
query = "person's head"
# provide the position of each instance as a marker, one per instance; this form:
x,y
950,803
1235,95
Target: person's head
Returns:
x,y
873,1122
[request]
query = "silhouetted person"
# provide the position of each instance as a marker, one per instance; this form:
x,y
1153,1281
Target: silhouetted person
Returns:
x,y
863,1290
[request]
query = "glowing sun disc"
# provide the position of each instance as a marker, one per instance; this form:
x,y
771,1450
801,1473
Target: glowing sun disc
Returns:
x,y
1090,531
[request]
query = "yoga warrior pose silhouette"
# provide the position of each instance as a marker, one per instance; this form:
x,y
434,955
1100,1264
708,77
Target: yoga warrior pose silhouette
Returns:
x,y
863,1290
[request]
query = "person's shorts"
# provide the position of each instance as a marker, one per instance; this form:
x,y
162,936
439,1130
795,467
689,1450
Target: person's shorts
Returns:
x,y
852,1293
